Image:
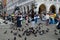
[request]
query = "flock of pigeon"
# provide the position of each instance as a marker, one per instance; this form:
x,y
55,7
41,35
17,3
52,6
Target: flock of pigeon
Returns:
x,y
28,32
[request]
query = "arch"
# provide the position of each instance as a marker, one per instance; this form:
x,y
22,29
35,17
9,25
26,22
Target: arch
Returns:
x,y
42,8
52,9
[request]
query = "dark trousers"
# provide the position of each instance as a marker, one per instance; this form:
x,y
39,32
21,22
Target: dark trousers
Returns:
x,y
19,23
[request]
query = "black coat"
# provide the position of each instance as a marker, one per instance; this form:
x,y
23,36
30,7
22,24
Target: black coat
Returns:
x,y
18,21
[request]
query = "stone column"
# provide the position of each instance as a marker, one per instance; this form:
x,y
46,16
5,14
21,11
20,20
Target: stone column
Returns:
x,y
47,8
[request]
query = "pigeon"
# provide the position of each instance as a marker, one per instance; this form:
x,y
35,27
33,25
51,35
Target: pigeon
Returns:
x,y
47,30
19,29
40,32
35,35
19,35
11,31
58,38
8,39
25,32
27,25
31,28
14,38
36,27
5,32
15,33
34,32
56,33
6,22
39,24
25,38
28,33
22,29
13,28
43,31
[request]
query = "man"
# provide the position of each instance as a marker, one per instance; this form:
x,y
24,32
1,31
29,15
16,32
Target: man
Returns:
x,y
18,20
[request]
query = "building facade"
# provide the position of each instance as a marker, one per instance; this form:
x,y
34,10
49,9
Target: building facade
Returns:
x,y
47,5
2,6
22,4
41,5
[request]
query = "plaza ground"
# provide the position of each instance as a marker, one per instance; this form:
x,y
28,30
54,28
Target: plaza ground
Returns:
x,y
48,36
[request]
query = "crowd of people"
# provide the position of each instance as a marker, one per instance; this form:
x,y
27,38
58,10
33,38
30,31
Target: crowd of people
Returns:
x,y
17,17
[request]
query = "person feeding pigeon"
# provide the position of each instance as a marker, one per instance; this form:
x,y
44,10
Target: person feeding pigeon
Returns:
x,y
19,21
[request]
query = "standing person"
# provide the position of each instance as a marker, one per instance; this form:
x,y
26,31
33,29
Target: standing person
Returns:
x,y
26,19
9,18
19,21
32,21
47,19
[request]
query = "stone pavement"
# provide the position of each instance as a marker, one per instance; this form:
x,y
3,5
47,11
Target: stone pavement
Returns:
x,y
48,36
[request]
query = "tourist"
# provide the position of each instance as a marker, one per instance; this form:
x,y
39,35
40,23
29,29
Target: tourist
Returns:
x,y
9,18
27,19
19,21
32,21
47,19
